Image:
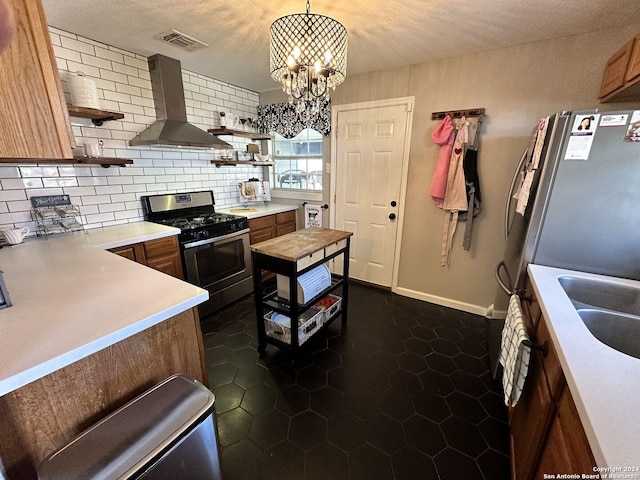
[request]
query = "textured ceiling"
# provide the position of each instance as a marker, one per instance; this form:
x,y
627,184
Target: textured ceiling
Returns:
x,y
382,34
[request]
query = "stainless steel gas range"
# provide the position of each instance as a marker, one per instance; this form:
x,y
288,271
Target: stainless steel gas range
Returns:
x,y
214,246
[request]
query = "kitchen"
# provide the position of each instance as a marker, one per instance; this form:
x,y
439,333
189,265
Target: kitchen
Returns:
x,y
514,101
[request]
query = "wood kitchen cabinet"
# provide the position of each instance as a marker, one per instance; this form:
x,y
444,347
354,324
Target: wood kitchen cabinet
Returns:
x,y
621,79
162,254
546,432
271,226
34,121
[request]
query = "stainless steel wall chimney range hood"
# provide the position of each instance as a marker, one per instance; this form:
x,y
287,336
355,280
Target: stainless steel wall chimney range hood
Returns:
x,y
171,127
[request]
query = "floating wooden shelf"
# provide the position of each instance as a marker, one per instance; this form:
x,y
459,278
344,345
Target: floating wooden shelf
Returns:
x,y
219,163
96,116
105,161
239,133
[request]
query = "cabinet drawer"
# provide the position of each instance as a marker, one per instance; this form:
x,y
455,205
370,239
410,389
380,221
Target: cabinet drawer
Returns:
x,y
161,247
286,217
285,228
257,236
309,260
262,222
335,247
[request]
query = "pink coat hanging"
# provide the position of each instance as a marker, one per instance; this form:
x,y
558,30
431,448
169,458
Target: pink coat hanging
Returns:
x,y
443,135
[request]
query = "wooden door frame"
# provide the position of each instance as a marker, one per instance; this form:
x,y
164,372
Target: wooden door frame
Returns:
x,y
391,102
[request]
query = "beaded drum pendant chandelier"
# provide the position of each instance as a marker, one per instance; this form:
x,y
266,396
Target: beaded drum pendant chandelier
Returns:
x,y
308,56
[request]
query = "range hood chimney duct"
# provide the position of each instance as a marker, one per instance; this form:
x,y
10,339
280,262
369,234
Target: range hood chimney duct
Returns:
x,y
171,127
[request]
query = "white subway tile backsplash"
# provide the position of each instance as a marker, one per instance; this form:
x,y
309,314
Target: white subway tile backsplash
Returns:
x,y
9,195
88,70
67,54
100,217
95,200
19,206
60,182
109,189
77,45
9,172
121,180
111,195
80,191
108,54
111,207
95,61
20,183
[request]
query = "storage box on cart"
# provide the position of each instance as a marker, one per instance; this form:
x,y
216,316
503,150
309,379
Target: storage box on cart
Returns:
x,y
329,306
278,325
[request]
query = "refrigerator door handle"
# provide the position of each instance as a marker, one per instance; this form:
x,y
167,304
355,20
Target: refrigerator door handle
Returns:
x,y
507,210
506,289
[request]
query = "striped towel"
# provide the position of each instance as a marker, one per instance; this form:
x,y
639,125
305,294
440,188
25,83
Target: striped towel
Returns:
x,y
514,355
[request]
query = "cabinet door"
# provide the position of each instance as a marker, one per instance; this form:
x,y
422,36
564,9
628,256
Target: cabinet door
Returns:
x,y
161,247
285,222
163,254
567,448
530,420
633,69
614,72
34,120
551,363
126,252
133,252
171,265
262,228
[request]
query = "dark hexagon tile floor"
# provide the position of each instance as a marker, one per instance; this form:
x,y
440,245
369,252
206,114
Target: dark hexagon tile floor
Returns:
x,y
403,392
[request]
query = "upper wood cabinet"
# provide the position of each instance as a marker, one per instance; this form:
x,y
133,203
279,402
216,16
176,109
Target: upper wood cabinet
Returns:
x,y
621,79
33,113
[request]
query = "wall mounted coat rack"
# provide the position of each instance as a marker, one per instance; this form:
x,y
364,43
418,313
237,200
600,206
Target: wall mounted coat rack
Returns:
x,y
472,112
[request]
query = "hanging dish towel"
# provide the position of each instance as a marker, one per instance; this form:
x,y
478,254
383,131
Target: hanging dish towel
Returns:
x,y
514,354
443,135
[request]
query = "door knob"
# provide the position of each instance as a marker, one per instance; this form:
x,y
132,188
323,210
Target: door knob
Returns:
x,y
392,216
393,203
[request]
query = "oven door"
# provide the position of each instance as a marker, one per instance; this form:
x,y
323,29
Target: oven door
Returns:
x,y
218,263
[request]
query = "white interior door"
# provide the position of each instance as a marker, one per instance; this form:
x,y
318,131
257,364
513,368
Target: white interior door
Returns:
x,y
370,153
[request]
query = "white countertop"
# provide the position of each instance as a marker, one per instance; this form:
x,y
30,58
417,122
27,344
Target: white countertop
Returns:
x,y
71,299
604,383
255,211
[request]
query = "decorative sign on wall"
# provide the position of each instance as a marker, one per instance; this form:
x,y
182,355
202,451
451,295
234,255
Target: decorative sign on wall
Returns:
x,y
50,201
285,119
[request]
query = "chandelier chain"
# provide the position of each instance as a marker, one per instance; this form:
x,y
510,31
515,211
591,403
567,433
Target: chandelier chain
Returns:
x,y
308,6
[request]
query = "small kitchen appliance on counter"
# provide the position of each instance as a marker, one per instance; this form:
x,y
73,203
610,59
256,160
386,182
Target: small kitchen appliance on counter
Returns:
x,y
214,246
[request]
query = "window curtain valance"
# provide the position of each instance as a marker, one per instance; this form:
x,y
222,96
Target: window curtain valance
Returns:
x,y
283,118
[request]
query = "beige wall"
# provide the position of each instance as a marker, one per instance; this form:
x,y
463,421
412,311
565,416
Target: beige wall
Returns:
x,y
516,86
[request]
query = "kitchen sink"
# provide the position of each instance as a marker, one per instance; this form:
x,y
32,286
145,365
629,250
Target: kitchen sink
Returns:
x,y
609,310
618,331
597,294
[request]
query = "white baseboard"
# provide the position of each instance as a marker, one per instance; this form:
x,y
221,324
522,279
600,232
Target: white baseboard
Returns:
x,y
447,302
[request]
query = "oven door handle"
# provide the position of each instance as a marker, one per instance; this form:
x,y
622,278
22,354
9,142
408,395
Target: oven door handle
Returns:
x,y
207,241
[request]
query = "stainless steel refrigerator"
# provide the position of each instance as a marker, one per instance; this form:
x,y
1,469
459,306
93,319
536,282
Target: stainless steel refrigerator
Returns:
x,y
583,211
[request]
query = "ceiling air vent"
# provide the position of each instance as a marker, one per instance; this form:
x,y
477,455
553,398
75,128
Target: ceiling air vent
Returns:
x,y
182,40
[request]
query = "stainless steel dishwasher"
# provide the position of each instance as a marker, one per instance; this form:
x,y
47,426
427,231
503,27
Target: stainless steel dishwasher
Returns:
x,y
167,433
